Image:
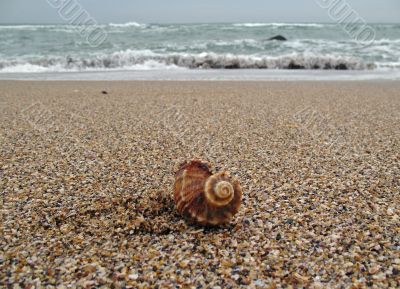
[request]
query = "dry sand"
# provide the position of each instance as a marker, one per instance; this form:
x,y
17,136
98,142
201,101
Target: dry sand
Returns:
x,y
86,184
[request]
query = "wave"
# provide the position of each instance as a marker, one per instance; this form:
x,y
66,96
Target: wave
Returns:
x,y
128,24
66,26
263,46
251,24
278,24
384,41
146,59
39,68
389,65
29,27
30,68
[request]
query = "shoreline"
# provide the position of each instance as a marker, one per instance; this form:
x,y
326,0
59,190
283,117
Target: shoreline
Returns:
x,y
212,75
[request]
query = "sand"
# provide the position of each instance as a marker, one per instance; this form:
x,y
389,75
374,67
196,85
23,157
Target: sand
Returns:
x,y
87,170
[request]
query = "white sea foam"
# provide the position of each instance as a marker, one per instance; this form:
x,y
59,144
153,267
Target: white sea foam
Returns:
x,y
128,24
152,65
278,24
26,27
147,59
251,24
32,68
388,65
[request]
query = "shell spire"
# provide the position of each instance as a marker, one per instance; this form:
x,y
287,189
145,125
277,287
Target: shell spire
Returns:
x,y
204,197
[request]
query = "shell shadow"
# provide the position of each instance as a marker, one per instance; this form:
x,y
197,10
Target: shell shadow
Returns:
x,y
161,217
210,229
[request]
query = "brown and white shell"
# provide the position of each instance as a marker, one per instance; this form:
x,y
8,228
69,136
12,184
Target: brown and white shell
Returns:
x,y
206,198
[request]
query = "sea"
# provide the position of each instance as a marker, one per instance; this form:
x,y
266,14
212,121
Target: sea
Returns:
x,y
206,51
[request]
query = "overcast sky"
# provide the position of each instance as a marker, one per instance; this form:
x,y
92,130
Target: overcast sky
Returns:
x,y
160,11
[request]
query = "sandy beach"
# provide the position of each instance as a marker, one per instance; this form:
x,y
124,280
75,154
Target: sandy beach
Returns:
x,y
86,174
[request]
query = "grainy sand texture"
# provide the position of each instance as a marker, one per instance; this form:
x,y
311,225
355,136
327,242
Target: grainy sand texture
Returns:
x,y
86,184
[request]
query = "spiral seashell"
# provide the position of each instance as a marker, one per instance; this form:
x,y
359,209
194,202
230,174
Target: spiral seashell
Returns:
x,y
206,198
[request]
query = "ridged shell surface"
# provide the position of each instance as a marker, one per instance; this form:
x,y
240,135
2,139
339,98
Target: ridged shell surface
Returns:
x,y
206,198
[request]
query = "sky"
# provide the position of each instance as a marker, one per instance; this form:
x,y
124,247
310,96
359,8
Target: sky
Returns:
x,y
197,11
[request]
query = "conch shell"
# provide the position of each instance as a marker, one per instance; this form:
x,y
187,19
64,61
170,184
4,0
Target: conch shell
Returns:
x,y
206,198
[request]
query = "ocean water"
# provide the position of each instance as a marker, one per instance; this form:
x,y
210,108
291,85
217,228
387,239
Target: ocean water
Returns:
x,y
134,50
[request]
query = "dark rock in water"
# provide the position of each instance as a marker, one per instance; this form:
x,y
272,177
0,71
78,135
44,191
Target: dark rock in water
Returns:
x,y
104,92
232,66
293,65
278,37
341,66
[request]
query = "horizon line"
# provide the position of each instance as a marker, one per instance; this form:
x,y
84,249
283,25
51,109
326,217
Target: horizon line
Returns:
x,y
183,23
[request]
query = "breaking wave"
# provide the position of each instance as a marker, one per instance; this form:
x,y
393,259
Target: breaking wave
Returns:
x,y
146,59
278,25
128,24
